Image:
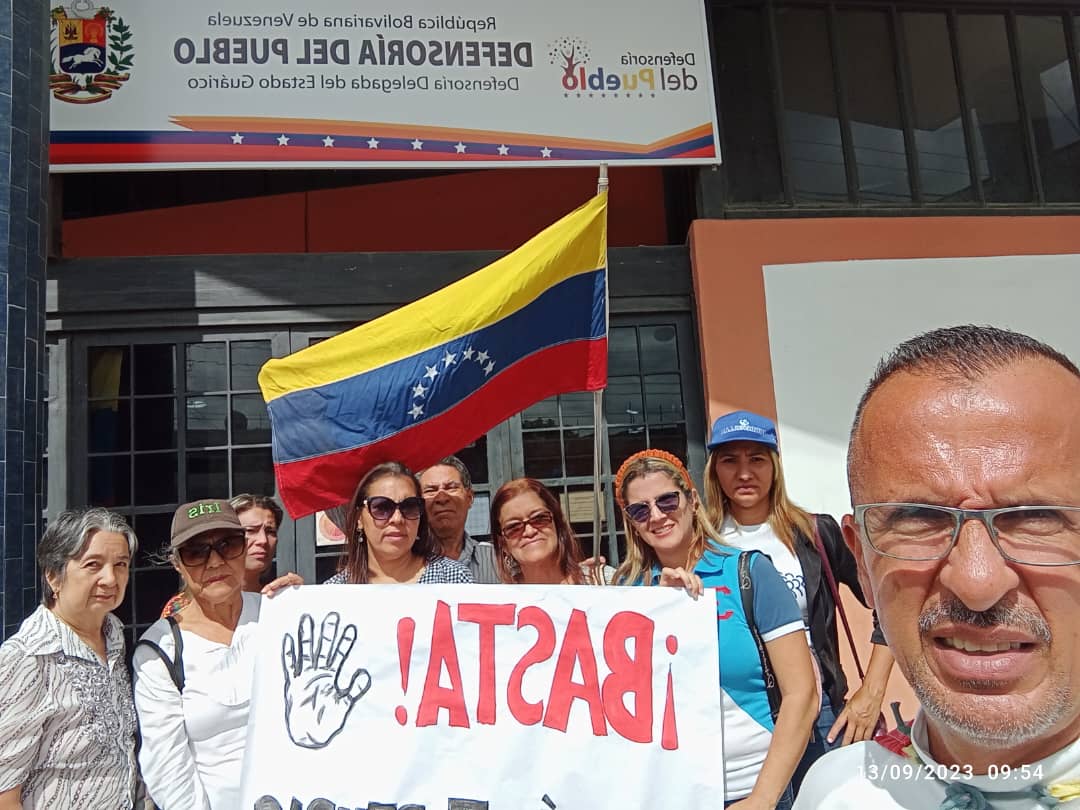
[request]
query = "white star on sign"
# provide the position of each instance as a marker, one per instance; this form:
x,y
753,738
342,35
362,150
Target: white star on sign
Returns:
x,y
327,141
416,411
419,390
431,372
237,138
459,147
283,140
372,143
449,359
482,358
468,353
545,152
417,144
489,368
504,149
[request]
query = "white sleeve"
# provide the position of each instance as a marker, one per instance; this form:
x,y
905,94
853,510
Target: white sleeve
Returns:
x,y
166,759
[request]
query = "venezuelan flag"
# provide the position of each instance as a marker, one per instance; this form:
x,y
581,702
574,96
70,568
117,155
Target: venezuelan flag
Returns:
x,y
428,378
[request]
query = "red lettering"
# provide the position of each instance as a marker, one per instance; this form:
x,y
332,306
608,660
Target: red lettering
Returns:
x,y
487,617
526,713
436,696
576,648
629,675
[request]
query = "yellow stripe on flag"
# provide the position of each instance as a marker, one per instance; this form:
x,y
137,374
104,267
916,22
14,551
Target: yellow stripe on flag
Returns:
x,y
575,244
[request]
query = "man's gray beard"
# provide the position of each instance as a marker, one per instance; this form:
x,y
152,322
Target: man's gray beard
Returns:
x,y
988,726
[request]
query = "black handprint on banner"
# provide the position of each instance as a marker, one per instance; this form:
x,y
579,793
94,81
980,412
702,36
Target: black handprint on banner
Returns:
x,y
315,707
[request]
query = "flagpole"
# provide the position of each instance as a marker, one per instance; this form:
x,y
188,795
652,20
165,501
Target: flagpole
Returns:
x,y
598,407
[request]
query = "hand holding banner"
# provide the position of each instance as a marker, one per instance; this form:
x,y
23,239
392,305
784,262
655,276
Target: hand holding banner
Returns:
x,y
485,697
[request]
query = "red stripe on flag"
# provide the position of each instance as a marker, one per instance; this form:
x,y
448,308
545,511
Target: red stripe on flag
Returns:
x,y
312,484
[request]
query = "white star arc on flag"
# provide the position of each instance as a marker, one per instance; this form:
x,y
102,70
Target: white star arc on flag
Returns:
x,y
449,358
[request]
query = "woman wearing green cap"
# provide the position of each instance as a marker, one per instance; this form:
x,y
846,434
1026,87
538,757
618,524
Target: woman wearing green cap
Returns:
x,y
748,502
193,670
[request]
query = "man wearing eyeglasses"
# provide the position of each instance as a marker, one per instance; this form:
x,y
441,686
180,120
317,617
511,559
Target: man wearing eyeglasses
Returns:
x,y
448,494
964,471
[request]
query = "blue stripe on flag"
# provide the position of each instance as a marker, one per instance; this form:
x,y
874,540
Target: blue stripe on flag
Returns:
x,y
371,406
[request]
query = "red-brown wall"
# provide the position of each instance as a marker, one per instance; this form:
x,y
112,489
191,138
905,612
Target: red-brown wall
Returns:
x,y
496,209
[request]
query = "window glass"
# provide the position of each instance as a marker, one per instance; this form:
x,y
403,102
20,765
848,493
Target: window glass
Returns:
x,y
812,129
155,479
944,175
1047,83
873,105
155,423
207,423
154,373
246,358
205,367
108,425
751,152
986,68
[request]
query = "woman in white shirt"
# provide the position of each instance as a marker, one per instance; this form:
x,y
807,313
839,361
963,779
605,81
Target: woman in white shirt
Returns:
x,y
67,724
193,670
748,502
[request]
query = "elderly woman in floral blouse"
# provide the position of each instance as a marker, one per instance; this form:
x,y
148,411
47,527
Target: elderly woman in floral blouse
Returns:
x,y
67,720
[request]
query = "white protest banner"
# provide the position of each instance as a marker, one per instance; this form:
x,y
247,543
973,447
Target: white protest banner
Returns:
x,y
156,84
479,697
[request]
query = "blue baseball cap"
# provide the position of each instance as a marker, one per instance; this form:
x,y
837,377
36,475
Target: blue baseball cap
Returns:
x,y
743,426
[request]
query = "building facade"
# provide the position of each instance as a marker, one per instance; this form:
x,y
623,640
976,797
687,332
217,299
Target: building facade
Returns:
x,y
860,130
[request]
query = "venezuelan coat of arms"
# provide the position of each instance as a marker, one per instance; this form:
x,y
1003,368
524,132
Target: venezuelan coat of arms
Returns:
x,y
92,52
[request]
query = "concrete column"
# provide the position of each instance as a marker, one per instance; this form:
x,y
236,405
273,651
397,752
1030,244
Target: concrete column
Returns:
x,y
24,182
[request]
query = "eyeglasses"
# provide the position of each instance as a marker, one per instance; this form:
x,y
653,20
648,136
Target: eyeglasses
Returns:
x,y
1029,535
382,509
450,488
667,503
228,548
516,528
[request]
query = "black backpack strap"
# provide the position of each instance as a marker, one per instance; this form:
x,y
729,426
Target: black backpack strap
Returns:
x,y
175,668
746,592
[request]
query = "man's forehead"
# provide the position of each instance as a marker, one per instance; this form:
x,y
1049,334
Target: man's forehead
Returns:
x,y
440,473
932,425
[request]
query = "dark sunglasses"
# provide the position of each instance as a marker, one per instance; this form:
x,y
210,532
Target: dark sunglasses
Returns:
x,y
228,548
667,503
516,528
382,509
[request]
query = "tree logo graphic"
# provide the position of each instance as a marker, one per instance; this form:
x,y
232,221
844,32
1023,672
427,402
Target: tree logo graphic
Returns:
x,y
91,53
569,53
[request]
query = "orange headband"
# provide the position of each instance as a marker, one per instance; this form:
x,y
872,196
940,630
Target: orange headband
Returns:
x,y
663,455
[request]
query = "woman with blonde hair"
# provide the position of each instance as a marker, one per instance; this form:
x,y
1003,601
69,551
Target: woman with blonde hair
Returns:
x,y
748,503
670,541
534,543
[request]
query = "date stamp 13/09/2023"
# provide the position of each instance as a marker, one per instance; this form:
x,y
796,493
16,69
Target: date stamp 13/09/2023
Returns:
x,y
911,770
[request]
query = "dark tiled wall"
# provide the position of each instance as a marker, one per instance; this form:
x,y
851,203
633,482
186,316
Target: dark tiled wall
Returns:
x,y
24,140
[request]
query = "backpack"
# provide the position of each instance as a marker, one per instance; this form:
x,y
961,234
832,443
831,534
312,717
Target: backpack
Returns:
x,y
175,667
746,592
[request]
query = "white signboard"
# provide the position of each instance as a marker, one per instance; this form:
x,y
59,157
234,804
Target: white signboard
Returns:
x,y
150,84
479,697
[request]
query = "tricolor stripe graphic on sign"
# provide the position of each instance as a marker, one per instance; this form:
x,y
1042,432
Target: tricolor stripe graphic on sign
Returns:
x,y
219,139
429,378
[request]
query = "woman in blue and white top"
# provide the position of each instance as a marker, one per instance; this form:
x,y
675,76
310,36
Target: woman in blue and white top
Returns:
x,y
670,541
747,501
387,537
